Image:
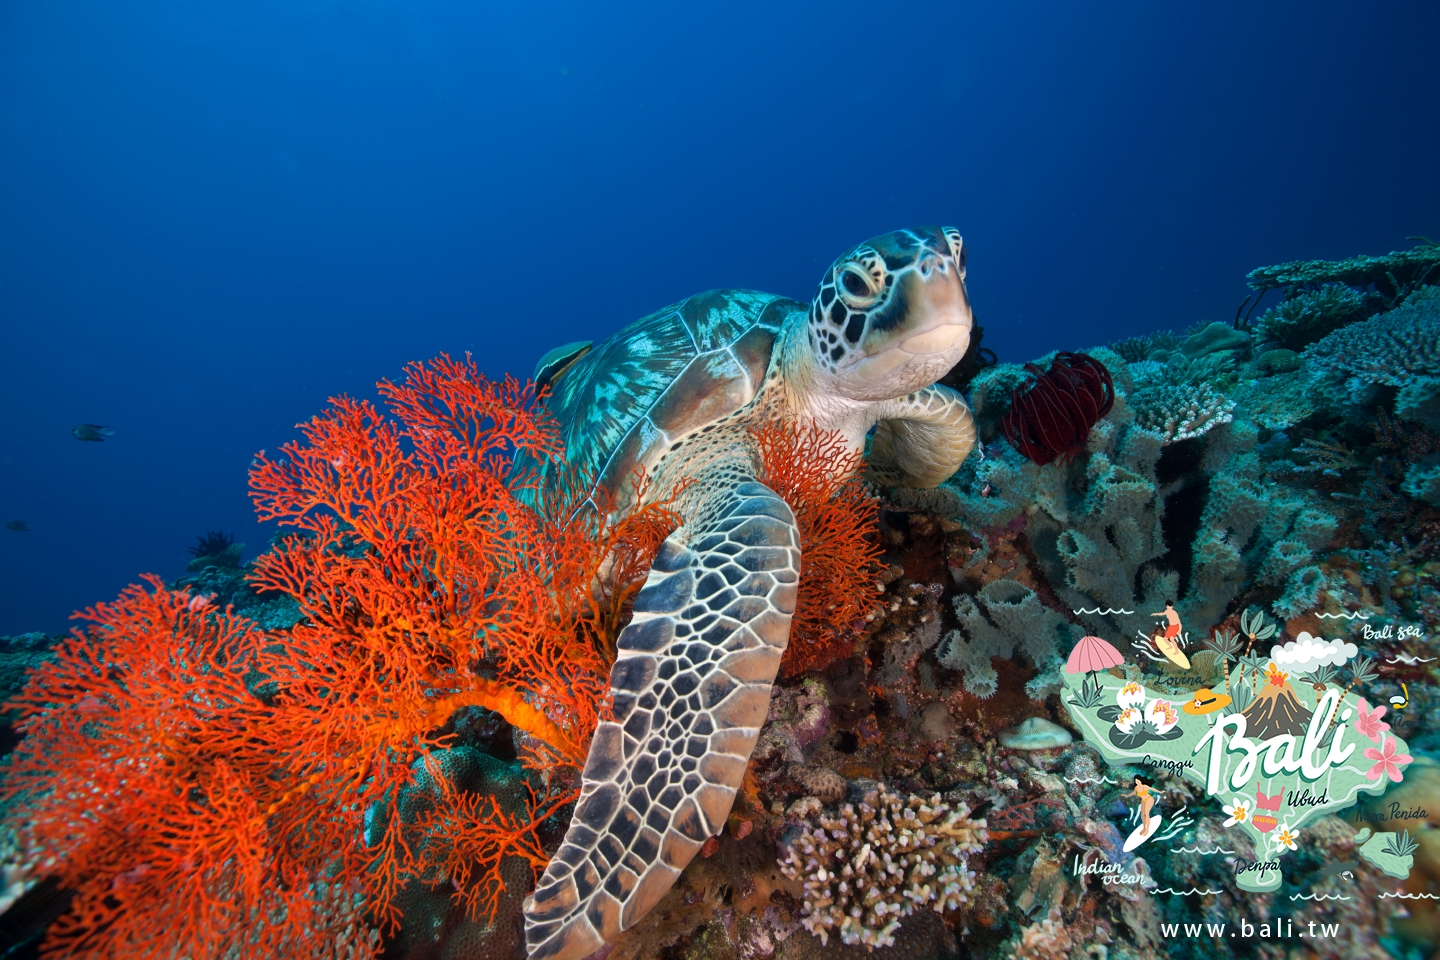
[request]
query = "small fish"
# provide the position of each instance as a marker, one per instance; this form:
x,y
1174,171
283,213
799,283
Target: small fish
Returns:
x,y
19,526
92,431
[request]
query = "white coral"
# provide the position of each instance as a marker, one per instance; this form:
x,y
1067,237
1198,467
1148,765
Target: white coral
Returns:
x,y
866,869
1180,411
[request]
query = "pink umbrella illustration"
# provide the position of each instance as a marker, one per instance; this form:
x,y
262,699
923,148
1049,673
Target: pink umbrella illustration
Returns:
x,y
1090,656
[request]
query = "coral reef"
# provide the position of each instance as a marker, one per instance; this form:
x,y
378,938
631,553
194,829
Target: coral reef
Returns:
x,y
1308,316
1397,272
917,789
1245,472
874,864
1389,350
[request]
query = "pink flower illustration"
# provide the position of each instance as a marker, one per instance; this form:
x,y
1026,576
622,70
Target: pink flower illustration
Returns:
x,y
1387,761
1369,723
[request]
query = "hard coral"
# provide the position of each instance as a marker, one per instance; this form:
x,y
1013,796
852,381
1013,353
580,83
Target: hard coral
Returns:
x,y
1392,349
1179,411
1397,271
866,869
1306,317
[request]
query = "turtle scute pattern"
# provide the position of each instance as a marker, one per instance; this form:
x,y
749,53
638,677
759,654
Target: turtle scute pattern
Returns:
x,y
691,689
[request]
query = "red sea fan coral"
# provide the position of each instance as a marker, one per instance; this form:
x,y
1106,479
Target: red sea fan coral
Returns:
x,y
211,790
839,542
136,787
1051,415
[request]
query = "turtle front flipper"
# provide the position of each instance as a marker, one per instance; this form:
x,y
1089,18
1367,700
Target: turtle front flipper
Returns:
x,y
921,438
692,687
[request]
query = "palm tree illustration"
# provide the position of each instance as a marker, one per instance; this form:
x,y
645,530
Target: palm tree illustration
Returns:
x,y
1252,663
1256,628
1320,678
1226,643
1361,671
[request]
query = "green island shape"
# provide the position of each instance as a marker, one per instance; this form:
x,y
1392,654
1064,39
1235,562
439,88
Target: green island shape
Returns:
x,y
1334,788
1378,850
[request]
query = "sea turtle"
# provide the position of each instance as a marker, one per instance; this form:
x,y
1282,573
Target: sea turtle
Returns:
x,y
679,393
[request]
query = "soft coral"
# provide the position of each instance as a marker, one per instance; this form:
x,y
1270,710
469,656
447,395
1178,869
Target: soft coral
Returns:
x,y
815,472
206,788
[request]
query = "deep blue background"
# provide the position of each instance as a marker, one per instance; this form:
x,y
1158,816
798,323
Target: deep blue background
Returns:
x,y
214,215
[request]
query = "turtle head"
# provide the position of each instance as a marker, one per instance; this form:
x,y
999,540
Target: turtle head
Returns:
x,y
892,315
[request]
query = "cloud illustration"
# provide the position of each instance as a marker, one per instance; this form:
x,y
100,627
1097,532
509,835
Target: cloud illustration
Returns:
x,y
1306,652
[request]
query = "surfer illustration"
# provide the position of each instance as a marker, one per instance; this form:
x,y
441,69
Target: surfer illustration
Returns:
x,y
1166,642
1147,800
1149,822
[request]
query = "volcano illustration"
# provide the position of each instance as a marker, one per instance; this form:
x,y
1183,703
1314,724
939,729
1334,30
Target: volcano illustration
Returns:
x,y
1275,709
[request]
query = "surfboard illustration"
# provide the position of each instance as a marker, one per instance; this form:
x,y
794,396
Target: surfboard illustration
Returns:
x,y
1139,834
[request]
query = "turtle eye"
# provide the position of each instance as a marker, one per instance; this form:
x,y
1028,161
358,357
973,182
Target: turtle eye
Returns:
x,y
957,248
857,287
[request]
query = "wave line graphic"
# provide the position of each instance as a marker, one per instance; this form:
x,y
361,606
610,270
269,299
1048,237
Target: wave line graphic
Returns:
x,y
1187,893
1103,779
1361,614
1318,896
1104,613
1203,852
1410,661
1410,896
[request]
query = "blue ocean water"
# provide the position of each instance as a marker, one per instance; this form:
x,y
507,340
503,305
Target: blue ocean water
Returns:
x,y
214,215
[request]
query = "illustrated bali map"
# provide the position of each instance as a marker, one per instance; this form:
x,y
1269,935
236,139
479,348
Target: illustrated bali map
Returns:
x,y
1279,740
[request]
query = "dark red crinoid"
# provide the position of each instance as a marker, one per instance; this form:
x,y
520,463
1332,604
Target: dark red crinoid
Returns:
x,y
1051,414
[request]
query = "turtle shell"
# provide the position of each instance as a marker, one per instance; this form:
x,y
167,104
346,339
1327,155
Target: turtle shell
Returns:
x,y
627,400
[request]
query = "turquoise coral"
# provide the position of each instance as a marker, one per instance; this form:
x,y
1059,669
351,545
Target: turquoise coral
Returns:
x,y
1412,267
1422,480
1389,350
1306,317
1007,617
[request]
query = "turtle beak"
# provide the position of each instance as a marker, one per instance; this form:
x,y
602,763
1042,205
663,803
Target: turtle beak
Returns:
x,y
938,318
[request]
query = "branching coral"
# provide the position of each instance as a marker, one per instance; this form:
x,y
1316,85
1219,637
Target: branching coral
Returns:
x,y
1309,315
1419,400
205,787
839,544
1132,349
1177,401
1392,349
868,868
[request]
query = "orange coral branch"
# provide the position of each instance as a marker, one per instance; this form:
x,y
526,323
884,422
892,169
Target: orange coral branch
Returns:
x,y
509,703
814,471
